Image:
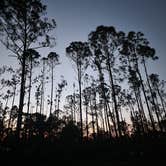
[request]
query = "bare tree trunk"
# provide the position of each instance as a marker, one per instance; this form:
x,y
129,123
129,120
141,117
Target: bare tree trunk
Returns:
x,y
74,111
52,84
143,111
102,121
114,98
158,115
92,114
42,89
14,94
23,80
153,100
96,115
140,112
107,122
21,101
80,98
146,100
162,101
113,120
30,86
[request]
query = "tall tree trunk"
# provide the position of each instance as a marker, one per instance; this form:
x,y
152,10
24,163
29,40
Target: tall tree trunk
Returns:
x,y
105,119
23,75
144,93
158,115
93,121
80,97
74,110
87,131
22,94
146,100
30,86
156,108
143,111
140,112
113,120
96,117
106,107
102,120
114,97
29,98
42,90
14,94
162,101
52,84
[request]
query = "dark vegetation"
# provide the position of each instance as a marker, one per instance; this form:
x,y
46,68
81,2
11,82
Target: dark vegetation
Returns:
x,y
92,128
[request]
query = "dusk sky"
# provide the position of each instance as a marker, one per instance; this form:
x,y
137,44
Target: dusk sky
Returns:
x,y
77,18
94,106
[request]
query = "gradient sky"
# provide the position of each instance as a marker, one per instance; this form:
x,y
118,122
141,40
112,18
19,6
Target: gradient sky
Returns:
x,y
77,18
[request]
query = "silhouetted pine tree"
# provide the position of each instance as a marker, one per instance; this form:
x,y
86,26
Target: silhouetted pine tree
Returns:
x,y
23,23
79,53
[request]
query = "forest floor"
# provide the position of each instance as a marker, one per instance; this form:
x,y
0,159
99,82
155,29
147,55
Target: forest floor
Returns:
x,y
136,151
149,153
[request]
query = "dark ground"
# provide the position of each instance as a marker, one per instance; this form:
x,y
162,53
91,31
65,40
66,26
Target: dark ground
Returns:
x,y
136,152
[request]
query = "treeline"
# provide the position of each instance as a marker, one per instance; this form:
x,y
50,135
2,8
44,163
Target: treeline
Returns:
x,y
114,83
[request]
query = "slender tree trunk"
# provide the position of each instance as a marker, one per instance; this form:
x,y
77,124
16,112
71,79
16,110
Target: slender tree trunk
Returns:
x,y
52,84
87,131
113,120
93,121
14,94
42,89
146,100
74,111
29,98
80,97
140,112
23,80
158,115
22,94
96,115
30,86
162,101
102,121
153,100
144,93
114,98
101,79
105,119
138,101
